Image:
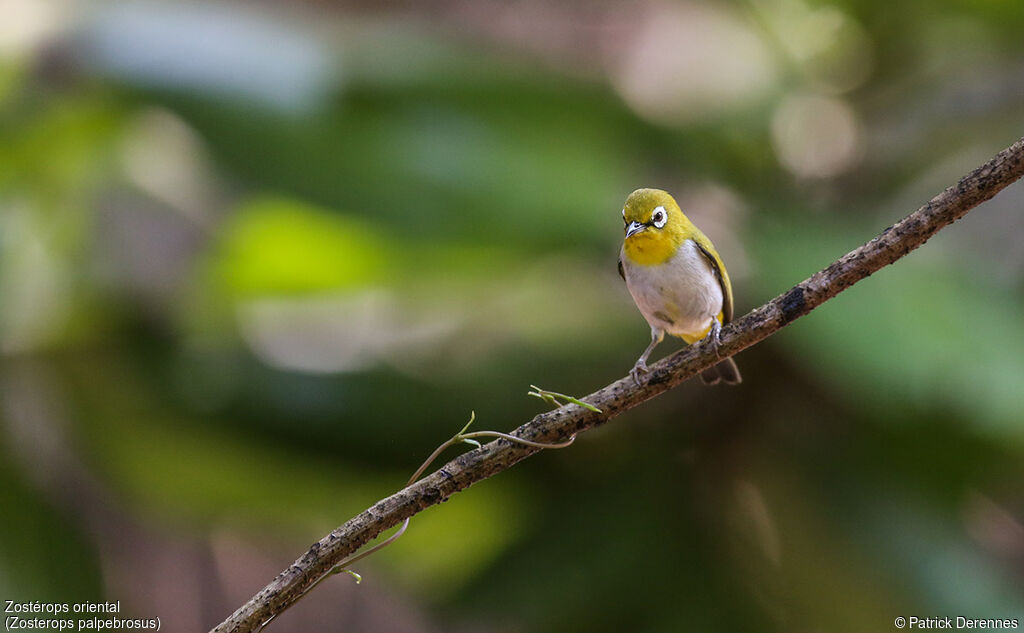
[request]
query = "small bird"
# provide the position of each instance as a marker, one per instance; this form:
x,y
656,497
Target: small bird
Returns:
x,y
676,277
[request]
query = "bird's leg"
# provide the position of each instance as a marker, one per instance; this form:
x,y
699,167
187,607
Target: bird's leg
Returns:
x,y
640,367
715,335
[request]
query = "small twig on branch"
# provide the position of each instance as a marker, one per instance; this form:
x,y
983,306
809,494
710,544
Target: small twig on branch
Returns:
x,y
562,423
462,437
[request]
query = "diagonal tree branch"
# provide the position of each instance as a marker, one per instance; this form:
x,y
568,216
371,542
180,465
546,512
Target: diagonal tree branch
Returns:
x,y
478,464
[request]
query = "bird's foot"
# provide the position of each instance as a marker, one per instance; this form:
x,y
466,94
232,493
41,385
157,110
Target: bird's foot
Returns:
x,y
639,368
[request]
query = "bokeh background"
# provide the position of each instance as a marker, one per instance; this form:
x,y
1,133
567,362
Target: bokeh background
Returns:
x,y
258,259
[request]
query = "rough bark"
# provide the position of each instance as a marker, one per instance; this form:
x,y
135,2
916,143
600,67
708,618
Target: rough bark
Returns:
x,y
557,425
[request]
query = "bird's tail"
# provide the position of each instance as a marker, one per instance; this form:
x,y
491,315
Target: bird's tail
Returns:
x,y
725,371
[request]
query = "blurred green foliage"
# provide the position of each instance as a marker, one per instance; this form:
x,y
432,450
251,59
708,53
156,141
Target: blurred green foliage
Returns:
x,y
242,319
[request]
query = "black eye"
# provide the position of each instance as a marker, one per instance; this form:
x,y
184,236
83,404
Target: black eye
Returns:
x,y
658,217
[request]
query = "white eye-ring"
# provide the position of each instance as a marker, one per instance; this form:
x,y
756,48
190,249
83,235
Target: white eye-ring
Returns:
x,y
659,217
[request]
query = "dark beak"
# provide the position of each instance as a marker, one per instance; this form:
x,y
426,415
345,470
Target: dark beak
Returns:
x,y
634,227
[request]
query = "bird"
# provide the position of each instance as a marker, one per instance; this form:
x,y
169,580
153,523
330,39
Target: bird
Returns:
x,y
676,278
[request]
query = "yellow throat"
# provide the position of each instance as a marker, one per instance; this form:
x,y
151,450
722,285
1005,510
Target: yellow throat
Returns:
x,y
653,245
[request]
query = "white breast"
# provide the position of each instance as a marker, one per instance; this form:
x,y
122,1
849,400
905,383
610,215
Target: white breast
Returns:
x,y
680,296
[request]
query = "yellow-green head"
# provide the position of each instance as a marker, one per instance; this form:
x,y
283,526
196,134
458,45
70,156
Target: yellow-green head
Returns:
x,y
655,227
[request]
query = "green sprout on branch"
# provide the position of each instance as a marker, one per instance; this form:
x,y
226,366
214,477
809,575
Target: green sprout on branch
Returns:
x,y
552,397
354,575
462,437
